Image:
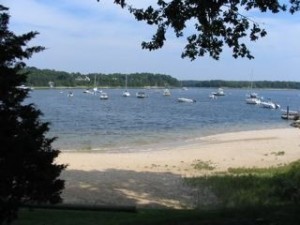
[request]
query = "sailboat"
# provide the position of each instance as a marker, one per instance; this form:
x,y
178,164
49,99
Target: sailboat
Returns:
x,y
166,92
252,97
95,89
126,93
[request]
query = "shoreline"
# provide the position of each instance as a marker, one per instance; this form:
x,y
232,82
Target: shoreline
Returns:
x,y
163,145
155,178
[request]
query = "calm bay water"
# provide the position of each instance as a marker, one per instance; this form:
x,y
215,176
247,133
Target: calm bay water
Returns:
x,y
84,122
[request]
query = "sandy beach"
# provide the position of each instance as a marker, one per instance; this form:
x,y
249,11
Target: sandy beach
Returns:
x,y
156,178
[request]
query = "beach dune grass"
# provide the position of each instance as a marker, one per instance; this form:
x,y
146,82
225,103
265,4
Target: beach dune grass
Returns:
x,y
203,165
243,187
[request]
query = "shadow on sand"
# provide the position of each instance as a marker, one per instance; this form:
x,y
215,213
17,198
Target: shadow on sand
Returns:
x,y
130,188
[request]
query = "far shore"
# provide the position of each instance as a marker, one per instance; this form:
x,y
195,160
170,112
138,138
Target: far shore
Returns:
x,y
153,87
155,179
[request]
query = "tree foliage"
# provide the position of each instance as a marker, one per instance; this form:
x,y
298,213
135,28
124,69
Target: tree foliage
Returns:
x,y
242,84
42,77
27,170
217,23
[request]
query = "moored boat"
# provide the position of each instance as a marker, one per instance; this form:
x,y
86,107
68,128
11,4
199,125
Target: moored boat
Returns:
x,y
88,91
126,94
212,96
269,104
166,92
24,87
188,100
220,92
103,96
253,99
70,94
141,94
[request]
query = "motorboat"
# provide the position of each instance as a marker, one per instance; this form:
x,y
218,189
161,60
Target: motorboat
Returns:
x,y
253,99
88,91
141,94
220,92
166,92
253,95
103,96
188,100
269,105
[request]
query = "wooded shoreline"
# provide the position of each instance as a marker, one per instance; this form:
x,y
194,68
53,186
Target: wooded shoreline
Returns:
x,y
44,77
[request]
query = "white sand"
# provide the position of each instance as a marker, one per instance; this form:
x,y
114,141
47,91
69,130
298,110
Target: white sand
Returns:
x,y
155,179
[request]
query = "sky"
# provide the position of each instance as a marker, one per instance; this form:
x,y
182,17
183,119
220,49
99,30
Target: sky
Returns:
x,y
87,36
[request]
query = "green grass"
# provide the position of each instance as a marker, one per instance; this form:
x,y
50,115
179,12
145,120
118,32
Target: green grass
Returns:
x,y
283,215
202,165
242,187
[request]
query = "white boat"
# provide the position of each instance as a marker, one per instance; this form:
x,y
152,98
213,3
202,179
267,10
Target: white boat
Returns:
x,y
188,100
141,94
95,89
253,99
103,96
24,87
269,104
184,88
88,91
166,92
220,92
212,96
70,94
126,93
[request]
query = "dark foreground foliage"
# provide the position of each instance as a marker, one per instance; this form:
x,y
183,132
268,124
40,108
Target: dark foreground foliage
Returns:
x,y
209,26
27,170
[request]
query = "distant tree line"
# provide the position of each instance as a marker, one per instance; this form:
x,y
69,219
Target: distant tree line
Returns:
x,y
44,77
242,84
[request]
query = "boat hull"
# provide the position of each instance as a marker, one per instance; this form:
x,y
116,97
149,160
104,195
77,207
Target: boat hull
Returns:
x,y
187,100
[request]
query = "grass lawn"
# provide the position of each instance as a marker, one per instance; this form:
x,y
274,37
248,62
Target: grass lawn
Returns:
x,y
281,215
